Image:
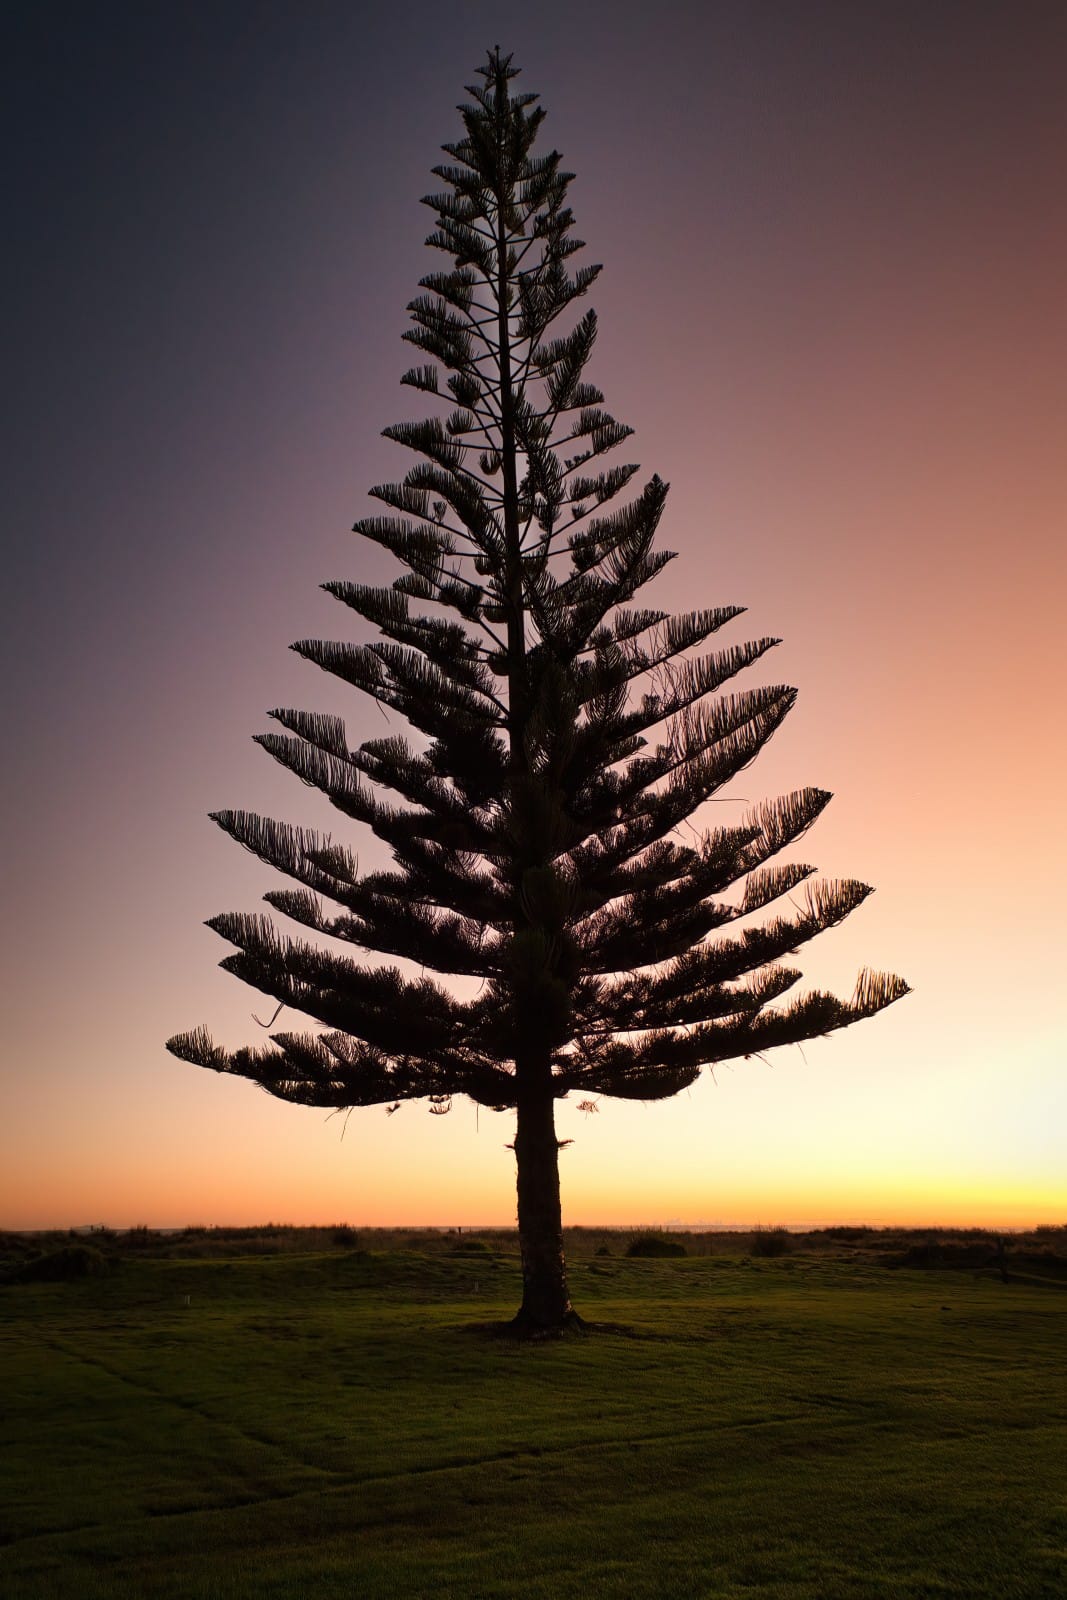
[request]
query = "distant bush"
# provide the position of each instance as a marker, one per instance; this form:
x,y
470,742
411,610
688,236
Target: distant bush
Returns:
x,y
939,1253
771,1242
470,1247
60,1266
138,1238
654,1244
602,1250
1043,1260
345,1235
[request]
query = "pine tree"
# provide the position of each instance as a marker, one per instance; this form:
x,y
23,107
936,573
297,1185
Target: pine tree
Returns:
x,y
532,821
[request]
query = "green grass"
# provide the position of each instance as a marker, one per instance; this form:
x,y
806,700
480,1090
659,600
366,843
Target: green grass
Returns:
x,y
337,1424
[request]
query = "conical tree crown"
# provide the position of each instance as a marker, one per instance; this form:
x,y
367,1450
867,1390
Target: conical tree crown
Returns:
x,y
559,734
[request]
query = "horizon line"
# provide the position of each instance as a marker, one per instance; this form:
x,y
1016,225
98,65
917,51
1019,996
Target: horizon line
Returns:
x,y
673,1225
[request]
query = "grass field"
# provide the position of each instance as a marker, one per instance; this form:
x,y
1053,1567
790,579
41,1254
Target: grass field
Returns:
x,y
339,1422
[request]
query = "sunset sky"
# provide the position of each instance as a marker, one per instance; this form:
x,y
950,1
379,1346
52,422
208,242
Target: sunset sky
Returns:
x,y
833,310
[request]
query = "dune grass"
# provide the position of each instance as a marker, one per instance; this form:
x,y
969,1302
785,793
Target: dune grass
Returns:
x,y
344,1423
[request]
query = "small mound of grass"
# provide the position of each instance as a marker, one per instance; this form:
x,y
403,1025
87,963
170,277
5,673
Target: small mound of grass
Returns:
x,y
946,1253
70,1261
654,1244
345,1236
771,1242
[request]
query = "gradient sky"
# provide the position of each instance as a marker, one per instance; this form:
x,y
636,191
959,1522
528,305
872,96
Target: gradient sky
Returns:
x,y
835,252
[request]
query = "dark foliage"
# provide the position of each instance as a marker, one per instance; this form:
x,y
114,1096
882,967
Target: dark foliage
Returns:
x,y
655,1245
69,1262
559,737
771,1242
345,1236
942,1253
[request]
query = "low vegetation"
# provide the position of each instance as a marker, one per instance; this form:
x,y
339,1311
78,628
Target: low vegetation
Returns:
x,y
282,1413
1035,1250
654,1244
771,1242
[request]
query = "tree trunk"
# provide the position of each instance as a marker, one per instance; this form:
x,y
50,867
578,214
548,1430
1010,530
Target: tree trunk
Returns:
x,y
546,1307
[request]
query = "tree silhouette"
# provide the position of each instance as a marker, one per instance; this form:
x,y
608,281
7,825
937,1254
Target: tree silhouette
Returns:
x,y
533,825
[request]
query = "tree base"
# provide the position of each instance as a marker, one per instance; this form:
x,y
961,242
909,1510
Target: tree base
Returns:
x,y
525,1327
521,1329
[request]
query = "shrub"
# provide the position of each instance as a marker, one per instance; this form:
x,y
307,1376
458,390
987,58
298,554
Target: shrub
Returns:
x,y
943,1253
602,1250
60,1266
139,1238
654,1244
771,1242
